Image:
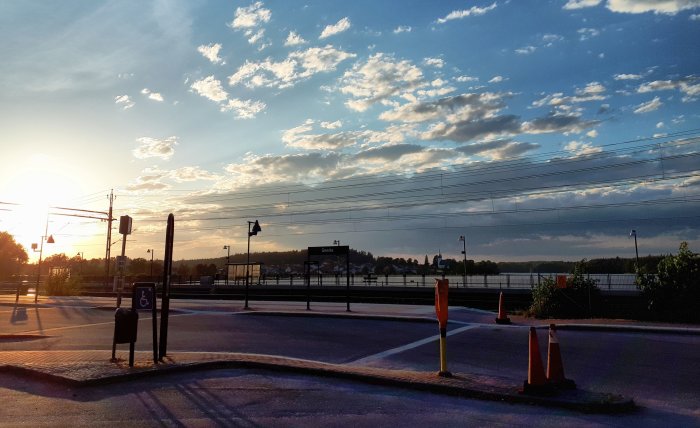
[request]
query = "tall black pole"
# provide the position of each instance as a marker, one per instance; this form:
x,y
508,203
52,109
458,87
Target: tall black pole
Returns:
x,y
636,250
246,269
167,270
464,251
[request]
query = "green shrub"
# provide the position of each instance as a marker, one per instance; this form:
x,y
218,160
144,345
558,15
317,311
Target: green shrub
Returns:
x,y
63,285
674,293
580,298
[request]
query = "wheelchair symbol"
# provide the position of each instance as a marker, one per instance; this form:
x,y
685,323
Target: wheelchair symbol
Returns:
x,y
143,301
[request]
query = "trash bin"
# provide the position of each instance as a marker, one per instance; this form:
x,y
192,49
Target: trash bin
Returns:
x,y
125,325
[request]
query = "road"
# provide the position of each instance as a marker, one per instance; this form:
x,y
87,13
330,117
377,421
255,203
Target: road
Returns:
x,y
659,371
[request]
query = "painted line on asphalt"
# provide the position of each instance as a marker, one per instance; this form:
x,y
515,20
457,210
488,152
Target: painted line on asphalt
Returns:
x,y
413,345
42,331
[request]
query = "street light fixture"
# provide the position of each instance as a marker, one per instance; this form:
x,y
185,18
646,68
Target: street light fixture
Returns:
x,y
636,250
228,257
150,250
463,238
81,255
254,231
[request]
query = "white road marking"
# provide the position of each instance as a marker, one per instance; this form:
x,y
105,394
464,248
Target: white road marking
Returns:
x,y
413,345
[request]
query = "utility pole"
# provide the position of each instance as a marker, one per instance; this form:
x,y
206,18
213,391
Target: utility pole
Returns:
x,y
109,237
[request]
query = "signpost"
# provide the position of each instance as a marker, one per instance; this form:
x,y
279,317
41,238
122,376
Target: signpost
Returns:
x,y
144,299
167,271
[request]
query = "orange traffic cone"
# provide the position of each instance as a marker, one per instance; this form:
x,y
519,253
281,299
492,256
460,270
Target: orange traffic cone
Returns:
x,y
536,381
502,316
555,367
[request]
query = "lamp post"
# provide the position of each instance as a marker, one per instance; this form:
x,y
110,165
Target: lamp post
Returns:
x,y
636,250
150,250
337,263
228,257
464,252
254,231
49,240
81,255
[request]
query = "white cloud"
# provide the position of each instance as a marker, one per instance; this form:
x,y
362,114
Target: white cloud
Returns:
x,y
154,147
155,96
463,79
660,125
338,27
298,65
294,39
402,29
667,7
624,76
689,86
211,52
592,133
251,16
210,88
695,17
525,50
378,80
580,4
498,79
191,173
331,125
648,106
460,14
587,33
434,62
243,109
550,39
124,101
591,89
582,149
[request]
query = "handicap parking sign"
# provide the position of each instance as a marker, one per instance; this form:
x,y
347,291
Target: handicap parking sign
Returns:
x,y
144,297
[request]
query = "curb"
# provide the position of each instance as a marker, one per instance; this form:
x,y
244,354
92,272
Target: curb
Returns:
x,y
626,328
461,384
339,315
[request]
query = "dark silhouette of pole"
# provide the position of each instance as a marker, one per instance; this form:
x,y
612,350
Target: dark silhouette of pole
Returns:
x,y
49,239
254,231
464,252
151,251
228,257
167,271
636,250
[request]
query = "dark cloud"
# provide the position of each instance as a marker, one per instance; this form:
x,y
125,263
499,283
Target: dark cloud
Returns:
x,y
555,122
467,130
389,152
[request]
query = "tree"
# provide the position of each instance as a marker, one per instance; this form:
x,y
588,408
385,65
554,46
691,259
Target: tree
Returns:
x,y
12,255
673,294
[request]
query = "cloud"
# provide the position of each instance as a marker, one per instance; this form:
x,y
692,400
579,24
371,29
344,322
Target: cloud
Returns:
x,y
689,86
580,4
338,27
388,153
668,7
648,106
557,122
497,149
460,14
402,29
293,39
466,130
251,16
191,173
155,148
587,33
298,65
577,148
124,101
694,17
624,76
155,96
525,50
379,79
296,168
593,91
331,125
210,88
463,79
434,62
498,79
211,52
243,109
452,109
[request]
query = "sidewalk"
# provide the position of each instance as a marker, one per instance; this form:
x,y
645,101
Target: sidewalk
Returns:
x,y
81,368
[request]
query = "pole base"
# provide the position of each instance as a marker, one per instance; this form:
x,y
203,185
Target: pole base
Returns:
x,y
503,320
564,384
444,374
546,389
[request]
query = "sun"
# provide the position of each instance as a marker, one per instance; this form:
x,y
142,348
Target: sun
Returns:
x,y
30,189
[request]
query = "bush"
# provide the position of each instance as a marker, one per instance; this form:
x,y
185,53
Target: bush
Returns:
x,y
580,298
673,294
63,285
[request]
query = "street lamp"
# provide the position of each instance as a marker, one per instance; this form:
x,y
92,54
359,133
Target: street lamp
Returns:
x,y
228,256
49,240
464,252
636,250
81,255
254,231
150,250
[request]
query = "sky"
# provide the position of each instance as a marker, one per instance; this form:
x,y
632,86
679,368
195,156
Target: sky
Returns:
x,y
539,130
